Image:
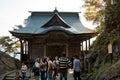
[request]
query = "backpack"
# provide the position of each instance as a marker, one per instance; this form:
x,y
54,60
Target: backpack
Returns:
x,y
34,69
51,67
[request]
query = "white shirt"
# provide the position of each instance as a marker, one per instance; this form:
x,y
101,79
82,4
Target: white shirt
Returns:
x,y
24,68
37,64
77,65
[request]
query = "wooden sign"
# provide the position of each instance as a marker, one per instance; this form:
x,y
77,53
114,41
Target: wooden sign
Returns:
x,y
110,48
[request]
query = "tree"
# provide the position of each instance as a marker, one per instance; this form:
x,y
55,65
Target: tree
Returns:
x,y
104,13
9,45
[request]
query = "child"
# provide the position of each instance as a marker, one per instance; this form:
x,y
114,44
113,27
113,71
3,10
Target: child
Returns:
x,y
17,76
23,71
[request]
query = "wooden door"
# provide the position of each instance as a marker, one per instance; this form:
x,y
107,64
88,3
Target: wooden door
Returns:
x,y
55,50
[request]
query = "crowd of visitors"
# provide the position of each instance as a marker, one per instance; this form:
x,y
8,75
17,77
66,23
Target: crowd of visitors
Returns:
x,y
46,68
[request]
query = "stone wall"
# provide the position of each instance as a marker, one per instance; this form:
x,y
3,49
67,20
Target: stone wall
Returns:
x,y
7,63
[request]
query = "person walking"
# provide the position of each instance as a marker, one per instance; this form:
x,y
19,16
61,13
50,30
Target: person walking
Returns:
x,y
77,66
64,64
23,71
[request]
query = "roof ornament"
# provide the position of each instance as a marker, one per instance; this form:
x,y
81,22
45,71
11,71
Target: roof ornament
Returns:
x,y
56,11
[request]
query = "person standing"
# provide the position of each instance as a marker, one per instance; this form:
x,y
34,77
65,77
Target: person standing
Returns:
x,y
17,76
23,71
56,67
77,68
42,69
36,68
46,66
64,64
50,69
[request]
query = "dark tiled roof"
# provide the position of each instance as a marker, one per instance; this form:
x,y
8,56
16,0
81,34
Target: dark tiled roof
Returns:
x,y
43,22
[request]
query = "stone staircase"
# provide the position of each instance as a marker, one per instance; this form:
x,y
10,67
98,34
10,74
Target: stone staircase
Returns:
x,y
30,76
11,75
2,77
13,78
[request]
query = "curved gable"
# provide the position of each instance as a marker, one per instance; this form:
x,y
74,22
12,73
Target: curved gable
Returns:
x,y
56,20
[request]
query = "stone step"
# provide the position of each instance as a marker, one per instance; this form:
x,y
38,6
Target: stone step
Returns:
x,y
9,78
13,78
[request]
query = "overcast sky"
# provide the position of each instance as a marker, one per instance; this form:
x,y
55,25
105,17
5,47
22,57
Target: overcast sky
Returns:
x,y
13,12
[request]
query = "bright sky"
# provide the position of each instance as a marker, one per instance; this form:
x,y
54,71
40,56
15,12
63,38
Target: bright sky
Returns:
x,y
13,12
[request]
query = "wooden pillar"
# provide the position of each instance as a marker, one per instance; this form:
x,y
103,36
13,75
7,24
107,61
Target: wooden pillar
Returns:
x,y
21,49
82,46
30,49
86,45
83,55
25,47
89,43
45,50
67,50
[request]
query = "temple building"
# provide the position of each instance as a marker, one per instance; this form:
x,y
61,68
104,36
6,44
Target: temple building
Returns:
x,y
51,33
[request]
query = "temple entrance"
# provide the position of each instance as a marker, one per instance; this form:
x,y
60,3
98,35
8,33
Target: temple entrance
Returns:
x,y
55,50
